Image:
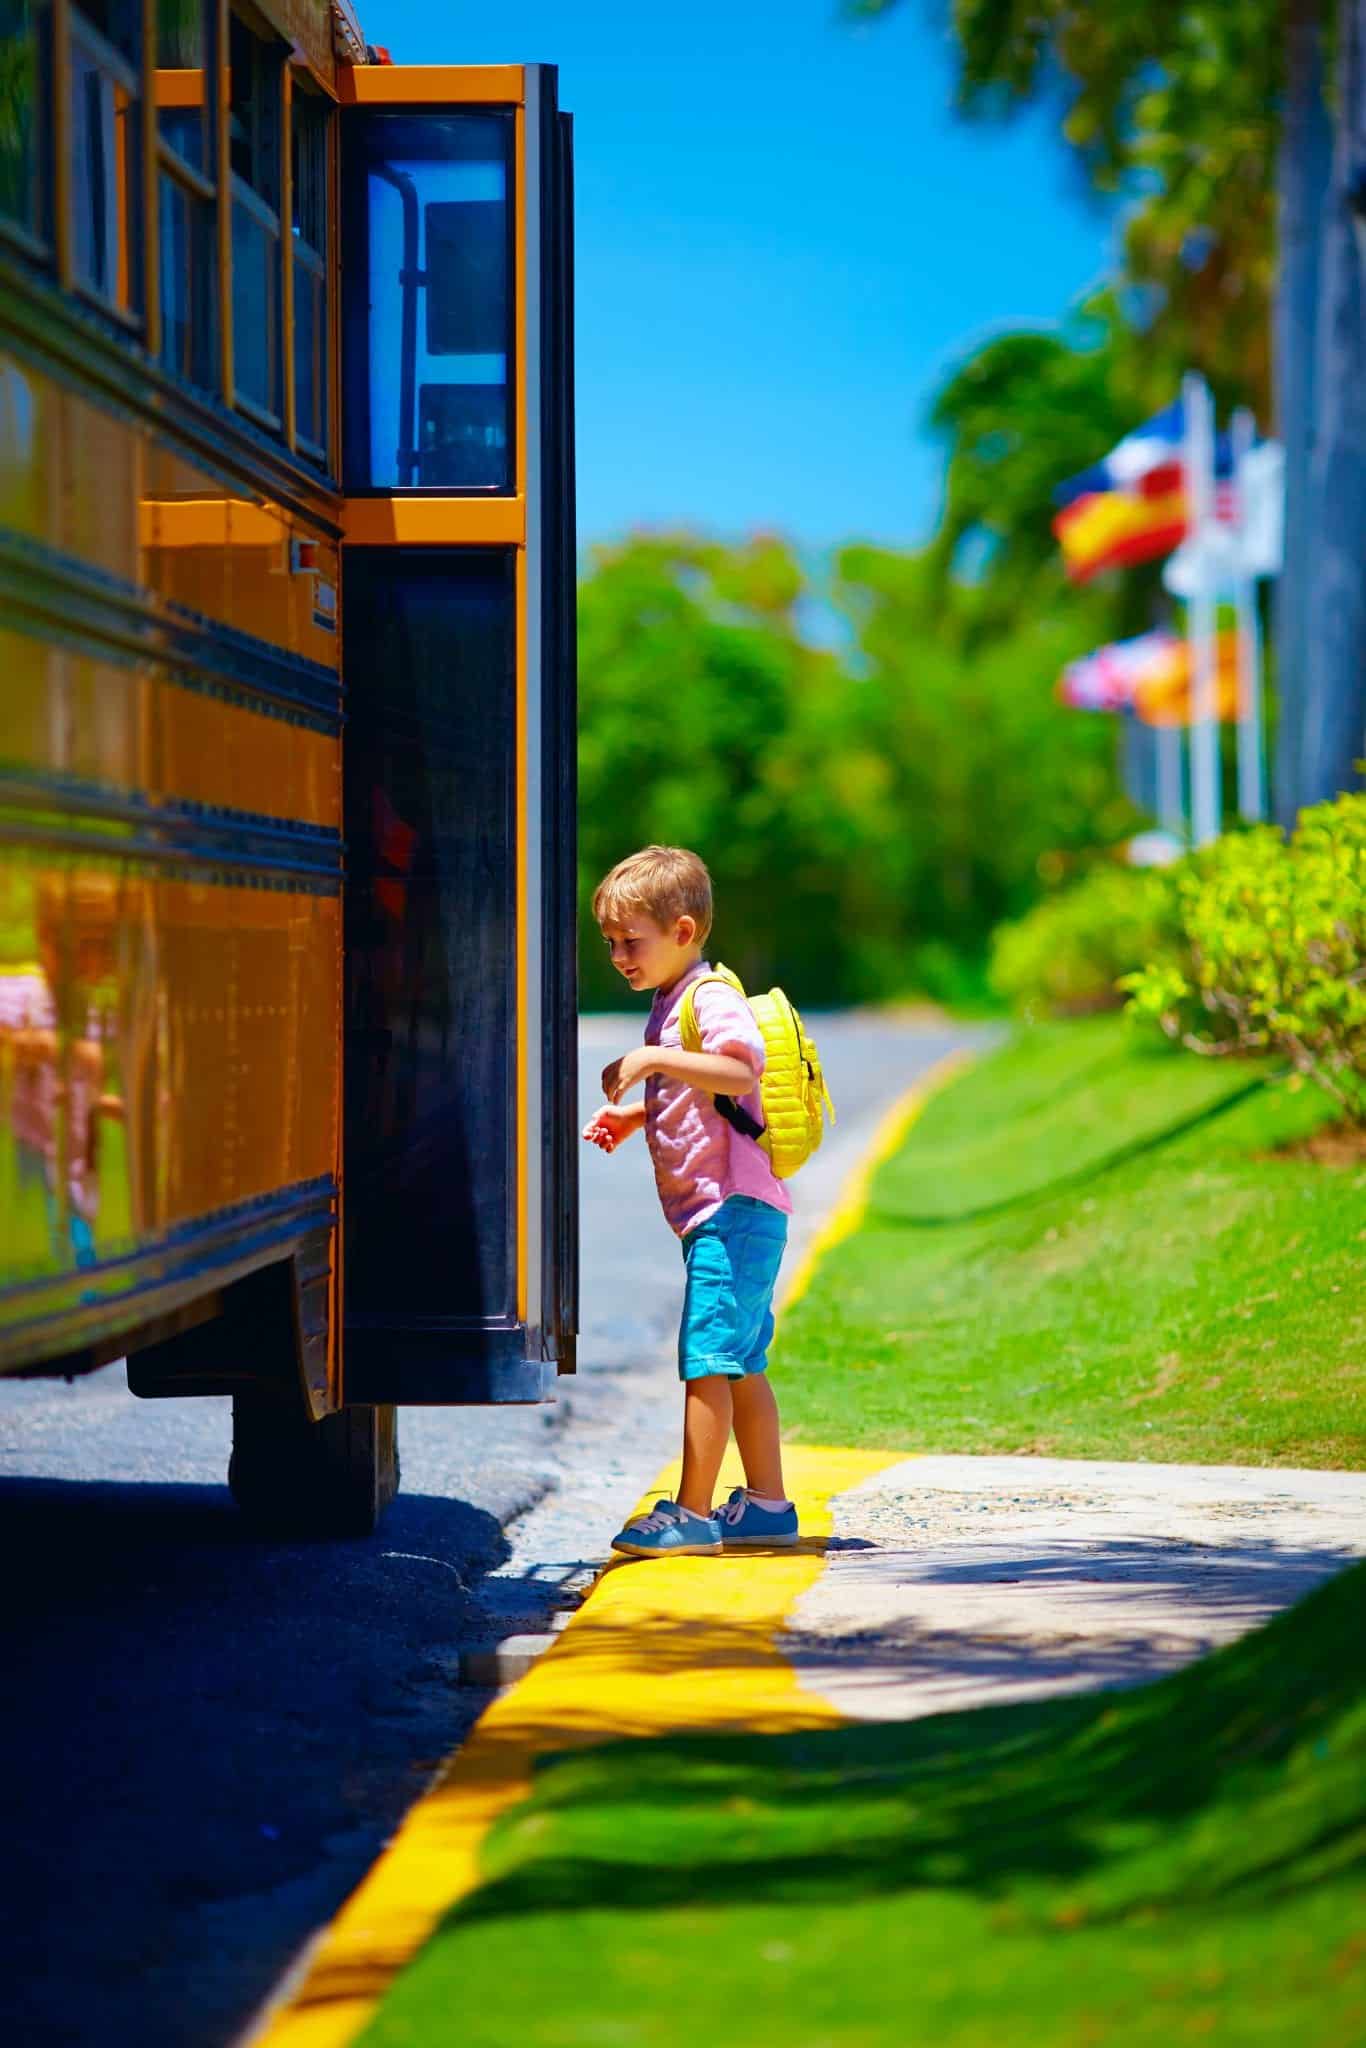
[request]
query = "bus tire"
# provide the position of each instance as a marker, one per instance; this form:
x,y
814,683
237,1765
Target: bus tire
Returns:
x,y
292,1476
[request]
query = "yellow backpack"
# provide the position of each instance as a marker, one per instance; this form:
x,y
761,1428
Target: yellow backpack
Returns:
x,y
792,1088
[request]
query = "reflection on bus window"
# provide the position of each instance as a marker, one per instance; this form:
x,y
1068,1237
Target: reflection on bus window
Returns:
x,y
182,103
435,311
63,1176
254,125
21,196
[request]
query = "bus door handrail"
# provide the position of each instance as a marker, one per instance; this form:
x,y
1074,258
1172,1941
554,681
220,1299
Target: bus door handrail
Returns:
x,y
410,279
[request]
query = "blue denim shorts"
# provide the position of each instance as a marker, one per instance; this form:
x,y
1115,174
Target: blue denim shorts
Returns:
x,y
732,1264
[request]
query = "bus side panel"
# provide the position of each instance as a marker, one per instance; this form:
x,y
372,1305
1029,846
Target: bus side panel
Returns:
x,y
170,865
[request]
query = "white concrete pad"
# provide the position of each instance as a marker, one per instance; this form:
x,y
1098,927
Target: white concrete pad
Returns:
x,y
958,1581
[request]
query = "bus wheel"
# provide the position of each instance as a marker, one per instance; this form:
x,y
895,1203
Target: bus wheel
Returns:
x,y
292,1476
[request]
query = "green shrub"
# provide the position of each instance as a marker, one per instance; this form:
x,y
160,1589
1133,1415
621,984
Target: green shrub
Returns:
x,y
1067,955
1274,955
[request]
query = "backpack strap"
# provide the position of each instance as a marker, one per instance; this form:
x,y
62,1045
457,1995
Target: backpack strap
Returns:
x,y
690,1036
689,1032
739,1119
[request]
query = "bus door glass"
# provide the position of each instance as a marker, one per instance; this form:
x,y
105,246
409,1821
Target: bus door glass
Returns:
x,y
429,403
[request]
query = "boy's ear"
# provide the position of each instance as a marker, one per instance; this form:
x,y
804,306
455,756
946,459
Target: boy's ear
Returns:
x,y
685,930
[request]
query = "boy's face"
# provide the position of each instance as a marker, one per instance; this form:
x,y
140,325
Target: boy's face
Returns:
x,y
649,955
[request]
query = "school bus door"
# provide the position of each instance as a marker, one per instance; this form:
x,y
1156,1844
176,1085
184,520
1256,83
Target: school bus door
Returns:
x,y
459,1188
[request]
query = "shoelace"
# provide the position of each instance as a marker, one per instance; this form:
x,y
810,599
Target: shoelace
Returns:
x,y
666,1517
732,1511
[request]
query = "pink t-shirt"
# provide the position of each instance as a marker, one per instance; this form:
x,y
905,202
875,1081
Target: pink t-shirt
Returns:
x,y
698,1159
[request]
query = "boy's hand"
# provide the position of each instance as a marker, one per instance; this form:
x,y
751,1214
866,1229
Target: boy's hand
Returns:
x,y
621,1076
608,1126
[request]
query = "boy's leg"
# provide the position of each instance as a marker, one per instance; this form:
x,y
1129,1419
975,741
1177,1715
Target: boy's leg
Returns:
x,y
757,1435
707,1414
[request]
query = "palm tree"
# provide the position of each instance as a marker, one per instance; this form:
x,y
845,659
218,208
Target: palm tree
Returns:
x,y
1244,229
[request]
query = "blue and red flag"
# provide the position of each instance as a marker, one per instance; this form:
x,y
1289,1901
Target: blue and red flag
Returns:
x,y
1131,506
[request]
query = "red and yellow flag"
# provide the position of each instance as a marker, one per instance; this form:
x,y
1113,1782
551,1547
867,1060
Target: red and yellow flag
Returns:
x,y
1164,696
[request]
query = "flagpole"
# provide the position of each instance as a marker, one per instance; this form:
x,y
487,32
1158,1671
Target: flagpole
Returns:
x,y
1198,464
1171,797
1251,745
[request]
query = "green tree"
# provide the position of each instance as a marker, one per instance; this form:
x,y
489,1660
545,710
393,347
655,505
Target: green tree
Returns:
x,y
1020,414
1175,103
1229,123
869,813
998,787
707,720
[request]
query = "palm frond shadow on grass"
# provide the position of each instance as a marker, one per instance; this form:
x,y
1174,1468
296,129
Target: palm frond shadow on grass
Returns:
x,y
886,1212
1241,1777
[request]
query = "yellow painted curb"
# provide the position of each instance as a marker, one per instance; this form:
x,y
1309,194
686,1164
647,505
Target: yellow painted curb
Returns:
x,y
663,1646
852,1206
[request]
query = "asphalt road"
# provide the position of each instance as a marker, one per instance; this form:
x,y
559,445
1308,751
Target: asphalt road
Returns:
x,y
208,1738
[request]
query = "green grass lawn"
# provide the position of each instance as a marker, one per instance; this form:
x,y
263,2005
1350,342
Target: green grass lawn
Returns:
x,y
1092,1246
1179,1863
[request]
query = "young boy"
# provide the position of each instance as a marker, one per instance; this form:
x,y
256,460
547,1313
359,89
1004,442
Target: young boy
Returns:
x,y
718,1192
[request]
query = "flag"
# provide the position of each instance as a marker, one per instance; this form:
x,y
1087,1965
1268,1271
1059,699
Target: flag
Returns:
x,y
1141,457
1115,529
1131,506
1253,544
1109,679
1165,696
1151,675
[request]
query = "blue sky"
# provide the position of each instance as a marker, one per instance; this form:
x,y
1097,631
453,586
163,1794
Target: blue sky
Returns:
x,y
784,237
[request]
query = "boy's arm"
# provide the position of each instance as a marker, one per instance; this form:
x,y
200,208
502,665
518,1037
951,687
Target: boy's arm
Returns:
x,y
626,1116
613,1124
718,1072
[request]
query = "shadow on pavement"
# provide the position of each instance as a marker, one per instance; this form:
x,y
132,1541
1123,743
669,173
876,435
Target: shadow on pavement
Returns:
x,y
208,1737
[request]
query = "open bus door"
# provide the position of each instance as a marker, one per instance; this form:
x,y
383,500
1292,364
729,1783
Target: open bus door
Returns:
x,y
459,1185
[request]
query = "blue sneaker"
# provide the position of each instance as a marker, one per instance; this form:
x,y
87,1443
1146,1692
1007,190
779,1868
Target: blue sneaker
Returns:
x,y
669,1531
741,1524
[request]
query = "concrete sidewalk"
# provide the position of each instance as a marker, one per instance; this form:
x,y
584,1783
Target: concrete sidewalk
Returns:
x,y
961,1582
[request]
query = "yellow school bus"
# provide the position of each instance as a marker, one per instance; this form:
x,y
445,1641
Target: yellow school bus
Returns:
x,y
287,953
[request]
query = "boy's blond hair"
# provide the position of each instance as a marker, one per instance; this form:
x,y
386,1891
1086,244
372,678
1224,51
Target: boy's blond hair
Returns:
x,y
664,882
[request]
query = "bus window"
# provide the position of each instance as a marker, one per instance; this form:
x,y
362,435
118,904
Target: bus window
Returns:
x,y
187,260
428,305
254,134
106,180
